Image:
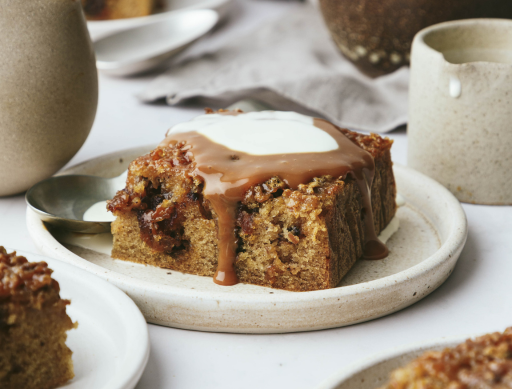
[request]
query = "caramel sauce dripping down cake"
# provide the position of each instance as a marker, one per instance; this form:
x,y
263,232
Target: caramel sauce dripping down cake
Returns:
x,y
270,198
33,325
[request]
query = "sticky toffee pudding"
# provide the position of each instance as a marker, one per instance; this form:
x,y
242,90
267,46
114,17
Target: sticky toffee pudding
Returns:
x,y
33,325
270,198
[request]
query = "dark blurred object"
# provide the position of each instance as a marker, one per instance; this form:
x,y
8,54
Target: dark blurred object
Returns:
x,y
376,35
119,9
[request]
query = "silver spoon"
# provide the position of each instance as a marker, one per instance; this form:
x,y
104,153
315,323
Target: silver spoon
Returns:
x,y
62,200
144,47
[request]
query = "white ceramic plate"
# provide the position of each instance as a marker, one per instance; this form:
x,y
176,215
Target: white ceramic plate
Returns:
x,y
100,28
144,47
111,345
373,372
423,254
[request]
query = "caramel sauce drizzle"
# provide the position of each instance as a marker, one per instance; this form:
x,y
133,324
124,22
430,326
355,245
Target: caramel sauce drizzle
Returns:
x,y
228,174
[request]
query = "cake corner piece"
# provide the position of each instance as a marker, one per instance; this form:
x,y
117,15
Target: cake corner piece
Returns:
x,y
33,326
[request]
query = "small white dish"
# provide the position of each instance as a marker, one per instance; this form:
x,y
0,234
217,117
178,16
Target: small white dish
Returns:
x,y
373,372
101,28
144,47
424,251
111,344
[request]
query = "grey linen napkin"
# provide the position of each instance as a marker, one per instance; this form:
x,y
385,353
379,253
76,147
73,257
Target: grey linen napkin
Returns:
x,y
290,63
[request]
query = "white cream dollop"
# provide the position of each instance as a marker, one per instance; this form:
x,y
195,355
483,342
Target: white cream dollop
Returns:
x,y
261,133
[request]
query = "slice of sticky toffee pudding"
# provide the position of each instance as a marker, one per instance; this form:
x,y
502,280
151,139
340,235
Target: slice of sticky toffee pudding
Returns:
x,y
33,325
270,198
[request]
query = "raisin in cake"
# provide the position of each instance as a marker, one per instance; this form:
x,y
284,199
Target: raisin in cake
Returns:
x,y
269,198
33,325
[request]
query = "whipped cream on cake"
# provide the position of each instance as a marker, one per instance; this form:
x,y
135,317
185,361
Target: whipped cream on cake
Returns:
x,y
261,133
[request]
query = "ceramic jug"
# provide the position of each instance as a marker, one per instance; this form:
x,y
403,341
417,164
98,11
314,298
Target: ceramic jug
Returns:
x,y
460,108
48,89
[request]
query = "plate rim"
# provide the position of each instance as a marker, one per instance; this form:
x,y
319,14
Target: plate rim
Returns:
x,y
346,373
452,246
134,360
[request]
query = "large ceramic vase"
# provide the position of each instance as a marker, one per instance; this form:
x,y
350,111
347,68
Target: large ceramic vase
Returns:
x,y
376,35
48,89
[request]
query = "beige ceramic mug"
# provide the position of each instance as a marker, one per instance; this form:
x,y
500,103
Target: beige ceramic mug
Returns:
x,y
460,108
48,89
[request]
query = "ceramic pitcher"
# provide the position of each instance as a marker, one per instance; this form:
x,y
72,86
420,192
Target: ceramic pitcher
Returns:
x,y
460,108
48,89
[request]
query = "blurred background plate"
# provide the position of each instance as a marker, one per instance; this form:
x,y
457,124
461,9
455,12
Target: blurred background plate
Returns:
x,y
101,28
144,47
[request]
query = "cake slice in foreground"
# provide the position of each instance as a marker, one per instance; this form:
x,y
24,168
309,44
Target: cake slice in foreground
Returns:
x,y
482,363
33,325
282,210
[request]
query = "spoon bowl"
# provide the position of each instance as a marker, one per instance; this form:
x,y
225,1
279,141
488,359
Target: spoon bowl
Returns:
x,y
62,201
143,47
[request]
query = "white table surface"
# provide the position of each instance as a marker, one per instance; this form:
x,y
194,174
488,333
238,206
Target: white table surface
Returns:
x,y
473,300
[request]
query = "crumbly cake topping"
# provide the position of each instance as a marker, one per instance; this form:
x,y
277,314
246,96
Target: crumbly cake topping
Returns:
x,y
19,278
220,180
485,362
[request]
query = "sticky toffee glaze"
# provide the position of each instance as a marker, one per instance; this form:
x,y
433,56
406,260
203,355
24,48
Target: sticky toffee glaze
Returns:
x,y
228,174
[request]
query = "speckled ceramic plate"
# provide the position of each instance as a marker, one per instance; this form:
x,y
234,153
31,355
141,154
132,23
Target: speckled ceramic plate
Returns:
x,y
111,344
373,372
424,251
